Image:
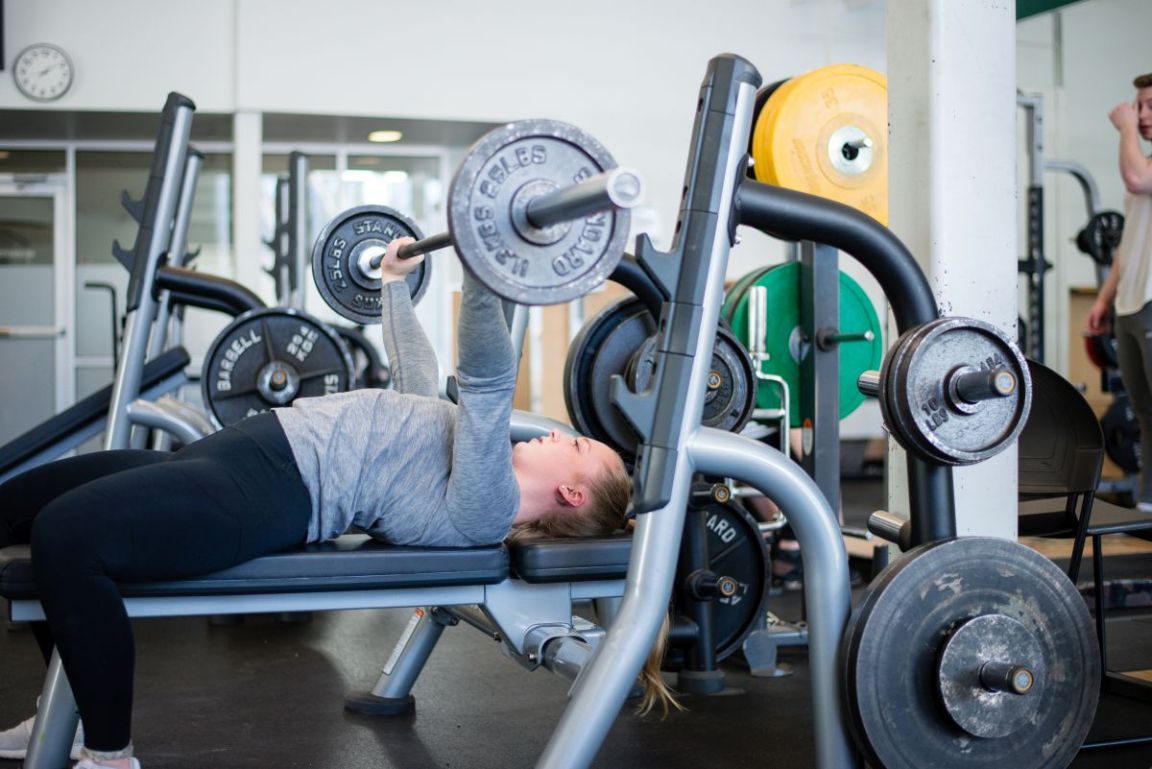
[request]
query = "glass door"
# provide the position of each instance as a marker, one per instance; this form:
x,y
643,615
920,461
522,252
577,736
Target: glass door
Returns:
x,y
36,310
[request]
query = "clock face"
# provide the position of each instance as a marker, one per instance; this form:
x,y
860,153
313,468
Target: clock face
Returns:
x,y
43,72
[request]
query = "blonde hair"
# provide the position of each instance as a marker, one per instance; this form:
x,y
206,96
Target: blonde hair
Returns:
x,y
604,513
608,496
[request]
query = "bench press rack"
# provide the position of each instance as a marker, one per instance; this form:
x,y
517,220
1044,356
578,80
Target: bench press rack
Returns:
x,y
535,618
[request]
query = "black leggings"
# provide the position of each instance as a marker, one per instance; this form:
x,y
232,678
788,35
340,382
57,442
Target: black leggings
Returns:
x,y
128,516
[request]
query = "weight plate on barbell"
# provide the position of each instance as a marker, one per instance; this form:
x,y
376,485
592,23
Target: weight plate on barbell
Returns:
x,y
826,133
916,645
267,358
782,338
504,170
341,256
921,413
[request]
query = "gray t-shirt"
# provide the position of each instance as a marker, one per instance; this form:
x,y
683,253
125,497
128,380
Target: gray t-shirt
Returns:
x,y
402,464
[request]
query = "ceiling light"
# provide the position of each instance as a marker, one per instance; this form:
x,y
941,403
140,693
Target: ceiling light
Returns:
x,y
383,137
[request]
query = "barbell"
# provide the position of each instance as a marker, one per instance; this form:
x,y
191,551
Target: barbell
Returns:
x,y
537,212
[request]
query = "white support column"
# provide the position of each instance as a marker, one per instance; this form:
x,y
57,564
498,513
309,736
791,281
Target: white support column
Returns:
x,y
952,166
247,163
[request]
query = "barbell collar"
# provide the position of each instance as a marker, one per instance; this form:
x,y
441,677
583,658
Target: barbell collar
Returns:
x,y
618,188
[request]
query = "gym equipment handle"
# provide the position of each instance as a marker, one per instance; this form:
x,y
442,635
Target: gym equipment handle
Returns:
x,y
618,188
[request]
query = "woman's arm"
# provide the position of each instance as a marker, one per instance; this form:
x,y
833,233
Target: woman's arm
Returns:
x,y
483,496
411,359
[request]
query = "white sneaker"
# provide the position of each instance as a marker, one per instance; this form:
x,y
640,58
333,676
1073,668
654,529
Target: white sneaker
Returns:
x,y
14,741
88,763
1144,507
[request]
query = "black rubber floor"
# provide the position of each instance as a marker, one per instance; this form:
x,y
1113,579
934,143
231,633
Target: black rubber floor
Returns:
x,y
266,693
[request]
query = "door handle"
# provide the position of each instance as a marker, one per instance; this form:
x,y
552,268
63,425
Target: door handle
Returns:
x,y
31,332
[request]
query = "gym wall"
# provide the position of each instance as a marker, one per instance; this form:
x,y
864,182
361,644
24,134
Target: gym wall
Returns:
x,y
626,72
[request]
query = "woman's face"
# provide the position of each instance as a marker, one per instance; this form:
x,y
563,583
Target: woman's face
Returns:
x,y
563,457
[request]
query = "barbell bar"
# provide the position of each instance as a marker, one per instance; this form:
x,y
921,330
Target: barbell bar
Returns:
x,y
535,212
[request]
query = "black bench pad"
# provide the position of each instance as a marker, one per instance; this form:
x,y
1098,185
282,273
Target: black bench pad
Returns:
x,y
351,562
84,412
572,560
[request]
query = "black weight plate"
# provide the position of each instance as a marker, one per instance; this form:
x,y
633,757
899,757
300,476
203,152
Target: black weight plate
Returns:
x,y
1122,434
341,255
269,357
736,549
370,369
603,348
905,709
502,171
731,394
1101,236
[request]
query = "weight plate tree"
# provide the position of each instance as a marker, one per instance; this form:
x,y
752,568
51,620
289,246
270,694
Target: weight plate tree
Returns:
x,y
826,133
341,260
783,337
269,357
971,652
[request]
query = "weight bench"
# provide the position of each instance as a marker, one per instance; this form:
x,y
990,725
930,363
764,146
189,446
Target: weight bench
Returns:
x,y
357,572
86,418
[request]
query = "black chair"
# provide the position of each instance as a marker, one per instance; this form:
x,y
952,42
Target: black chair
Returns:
x,y
1061,455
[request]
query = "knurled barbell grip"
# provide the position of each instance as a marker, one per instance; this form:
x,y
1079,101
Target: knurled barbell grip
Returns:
x,y
618,188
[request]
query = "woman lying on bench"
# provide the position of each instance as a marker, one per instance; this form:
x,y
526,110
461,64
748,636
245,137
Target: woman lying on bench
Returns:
x,y
401,465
